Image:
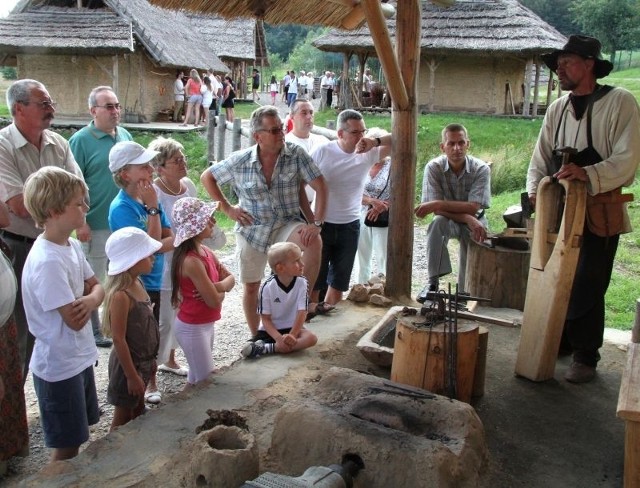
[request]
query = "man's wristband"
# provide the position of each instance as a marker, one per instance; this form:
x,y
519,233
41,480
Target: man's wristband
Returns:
x,y
379,141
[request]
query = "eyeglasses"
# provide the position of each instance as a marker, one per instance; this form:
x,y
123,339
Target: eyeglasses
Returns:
x,y
356,132
181,160
274,130
44,105
110,106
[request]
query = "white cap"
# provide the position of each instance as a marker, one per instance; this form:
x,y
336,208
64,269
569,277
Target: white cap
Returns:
x,y
128,246
129,152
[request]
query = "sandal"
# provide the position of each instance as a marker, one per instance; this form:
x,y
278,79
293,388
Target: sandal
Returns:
x,y
153,397
323,308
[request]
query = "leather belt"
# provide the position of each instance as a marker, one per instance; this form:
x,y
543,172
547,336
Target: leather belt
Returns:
x,y
16,237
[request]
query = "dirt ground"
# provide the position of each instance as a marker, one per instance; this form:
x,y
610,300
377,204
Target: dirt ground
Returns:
x,y
550,434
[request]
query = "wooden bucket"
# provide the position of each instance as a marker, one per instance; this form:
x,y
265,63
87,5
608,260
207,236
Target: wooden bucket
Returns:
x,y
420,356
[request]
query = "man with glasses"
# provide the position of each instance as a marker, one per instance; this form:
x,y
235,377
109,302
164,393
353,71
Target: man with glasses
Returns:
x,y
27,145
345,164
90,147
269,180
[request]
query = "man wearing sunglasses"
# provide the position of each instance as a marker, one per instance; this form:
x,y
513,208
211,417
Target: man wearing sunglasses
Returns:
x,y
91,146
26,145
269,180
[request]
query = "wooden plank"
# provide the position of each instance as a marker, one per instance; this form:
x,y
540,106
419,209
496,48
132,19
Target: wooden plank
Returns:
x,y
550,278
635,332
632,455
629,397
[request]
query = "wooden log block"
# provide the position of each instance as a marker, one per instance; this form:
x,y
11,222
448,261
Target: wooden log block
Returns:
x,y
421,359
498,273
550,276
481,363
629,410
635,332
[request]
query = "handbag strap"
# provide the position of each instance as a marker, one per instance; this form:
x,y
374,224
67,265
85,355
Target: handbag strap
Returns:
x,y
385,185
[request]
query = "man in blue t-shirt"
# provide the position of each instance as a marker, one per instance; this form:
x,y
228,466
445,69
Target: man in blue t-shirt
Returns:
x,y
90,147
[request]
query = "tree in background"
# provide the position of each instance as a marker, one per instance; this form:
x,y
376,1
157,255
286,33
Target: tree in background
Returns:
x,y
555,13
282,39
614,22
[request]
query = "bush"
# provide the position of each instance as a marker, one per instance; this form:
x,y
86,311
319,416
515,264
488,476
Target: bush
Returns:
x,y
9,73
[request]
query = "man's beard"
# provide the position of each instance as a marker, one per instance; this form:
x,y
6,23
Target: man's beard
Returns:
x,y
567,84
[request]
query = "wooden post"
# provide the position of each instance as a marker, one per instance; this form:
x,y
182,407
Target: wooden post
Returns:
x,y
211,136
420,356
549,88
404,125
635,332
481,362
629,410
222,132
536,90
527,89
236,138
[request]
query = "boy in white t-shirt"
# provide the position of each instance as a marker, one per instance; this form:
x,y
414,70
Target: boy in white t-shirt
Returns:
x,y
60,291
282,305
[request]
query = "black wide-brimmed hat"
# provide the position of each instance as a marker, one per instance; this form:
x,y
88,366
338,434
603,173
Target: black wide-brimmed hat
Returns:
x,y
585,47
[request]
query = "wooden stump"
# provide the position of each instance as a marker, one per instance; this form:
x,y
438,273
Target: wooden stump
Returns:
x,y
420,356
498,273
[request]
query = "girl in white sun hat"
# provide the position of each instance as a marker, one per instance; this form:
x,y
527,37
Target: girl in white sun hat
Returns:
x,y
127,317
200,283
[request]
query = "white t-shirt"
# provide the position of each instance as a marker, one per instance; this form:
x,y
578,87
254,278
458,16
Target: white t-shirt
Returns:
x,y
207,95
283,304
308,144
54,276
216,86
345,174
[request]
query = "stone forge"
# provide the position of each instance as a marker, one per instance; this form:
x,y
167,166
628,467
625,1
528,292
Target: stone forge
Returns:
x,y
405,436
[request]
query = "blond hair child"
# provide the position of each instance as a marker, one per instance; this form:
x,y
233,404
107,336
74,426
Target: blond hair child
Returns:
x,y
60,290
282,305
127,317
200,282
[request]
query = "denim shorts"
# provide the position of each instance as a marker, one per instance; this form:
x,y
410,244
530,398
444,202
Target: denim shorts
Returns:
x,y
339,246
67,409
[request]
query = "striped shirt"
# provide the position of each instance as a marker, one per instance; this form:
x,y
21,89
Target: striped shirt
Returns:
x,y
273,206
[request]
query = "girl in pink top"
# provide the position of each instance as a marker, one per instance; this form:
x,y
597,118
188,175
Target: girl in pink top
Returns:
x,y
200,283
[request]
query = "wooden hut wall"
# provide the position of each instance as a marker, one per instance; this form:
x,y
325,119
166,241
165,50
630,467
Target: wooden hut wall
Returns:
x,y
471,84
141,86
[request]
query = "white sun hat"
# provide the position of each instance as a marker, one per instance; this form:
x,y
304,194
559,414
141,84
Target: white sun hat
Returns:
x,y
128,246
129,152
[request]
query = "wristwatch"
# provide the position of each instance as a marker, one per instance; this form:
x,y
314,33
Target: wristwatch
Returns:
x,y
153,210
318,223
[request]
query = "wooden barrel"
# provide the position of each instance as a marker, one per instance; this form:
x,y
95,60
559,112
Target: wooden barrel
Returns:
x,y
420,356
498,273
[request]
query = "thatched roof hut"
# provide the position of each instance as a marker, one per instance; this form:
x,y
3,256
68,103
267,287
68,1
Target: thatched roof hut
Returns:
x,y
131,45
472,53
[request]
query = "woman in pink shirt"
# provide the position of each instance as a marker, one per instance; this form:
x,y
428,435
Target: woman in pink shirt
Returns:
x,y
194,97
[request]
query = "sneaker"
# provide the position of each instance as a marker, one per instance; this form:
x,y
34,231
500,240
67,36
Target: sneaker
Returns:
x,y
253,349
579,373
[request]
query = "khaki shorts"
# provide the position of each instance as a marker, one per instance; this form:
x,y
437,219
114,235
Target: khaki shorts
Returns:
x,y
253,262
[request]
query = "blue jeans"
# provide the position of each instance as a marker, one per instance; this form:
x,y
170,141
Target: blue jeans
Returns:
x,y
339,246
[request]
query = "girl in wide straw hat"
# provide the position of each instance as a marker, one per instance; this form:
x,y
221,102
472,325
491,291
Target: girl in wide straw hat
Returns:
x,y
200,283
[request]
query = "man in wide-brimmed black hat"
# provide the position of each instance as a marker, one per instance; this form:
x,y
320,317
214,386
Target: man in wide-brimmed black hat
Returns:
x,y
603,124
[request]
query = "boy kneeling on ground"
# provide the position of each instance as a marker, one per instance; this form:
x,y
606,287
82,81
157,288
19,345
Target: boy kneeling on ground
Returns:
x,y
282,305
